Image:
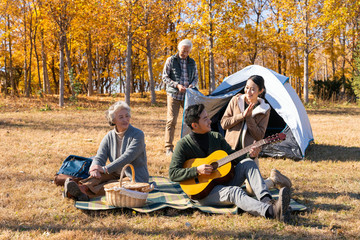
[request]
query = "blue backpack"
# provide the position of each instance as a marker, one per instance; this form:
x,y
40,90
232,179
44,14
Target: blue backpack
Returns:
x,y
76,166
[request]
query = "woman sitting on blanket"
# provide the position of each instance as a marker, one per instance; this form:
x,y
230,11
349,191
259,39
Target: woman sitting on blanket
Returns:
x,y
122,145
246,119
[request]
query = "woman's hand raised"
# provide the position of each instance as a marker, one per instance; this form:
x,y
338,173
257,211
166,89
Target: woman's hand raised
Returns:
x,y
248,110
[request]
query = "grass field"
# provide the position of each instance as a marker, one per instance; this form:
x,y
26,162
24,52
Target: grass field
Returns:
x,y
36,136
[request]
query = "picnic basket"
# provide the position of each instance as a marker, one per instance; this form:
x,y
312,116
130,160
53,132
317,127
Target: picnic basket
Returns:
x,y
127,194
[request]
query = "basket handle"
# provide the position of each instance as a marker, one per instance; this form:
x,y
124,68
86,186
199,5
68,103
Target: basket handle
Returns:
x,y
132,173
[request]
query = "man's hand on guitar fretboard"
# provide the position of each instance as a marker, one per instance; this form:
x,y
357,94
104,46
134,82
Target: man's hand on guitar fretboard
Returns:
x,y
254,151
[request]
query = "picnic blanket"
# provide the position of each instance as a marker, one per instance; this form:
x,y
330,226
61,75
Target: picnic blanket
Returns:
x,y
169,194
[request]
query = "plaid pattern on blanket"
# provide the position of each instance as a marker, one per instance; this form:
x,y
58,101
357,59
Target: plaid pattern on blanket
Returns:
x,y
170,194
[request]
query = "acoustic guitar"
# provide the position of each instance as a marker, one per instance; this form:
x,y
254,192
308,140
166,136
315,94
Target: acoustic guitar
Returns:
x,y
199,187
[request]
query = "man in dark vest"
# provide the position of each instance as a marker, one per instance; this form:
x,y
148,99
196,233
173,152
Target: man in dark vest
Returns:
x,y
179,73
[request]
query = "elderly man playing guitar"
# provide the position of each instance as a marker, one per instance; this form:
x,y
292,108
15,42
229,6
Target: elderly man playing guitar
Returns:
x,y
194,164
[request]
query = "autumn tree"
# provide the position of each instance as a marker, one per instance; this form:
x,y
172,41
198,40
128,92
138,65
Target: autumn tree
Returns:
x,y
62,13
205,24
308,27
7,22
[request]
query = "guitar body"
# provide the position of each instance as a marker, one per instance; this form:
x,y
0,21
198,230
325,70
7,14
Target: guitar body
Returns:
x,y
201,186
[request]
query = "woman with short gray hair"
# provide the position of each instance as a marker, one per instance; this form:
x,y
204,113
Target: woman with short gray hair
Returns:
x,y
110,113
123,145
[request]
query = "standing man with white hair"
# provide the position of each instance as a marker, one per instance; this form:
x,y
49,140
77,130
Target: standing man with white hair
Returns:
x,y
179,73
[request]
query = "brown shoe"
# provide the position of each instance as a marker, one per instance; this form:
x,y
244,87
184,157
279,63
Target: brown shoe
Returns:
x,y
281,205
279,179
72,190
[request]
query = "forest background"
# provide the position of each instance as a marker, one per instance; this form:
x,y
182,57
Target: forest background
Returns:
x,y
71,47
53,52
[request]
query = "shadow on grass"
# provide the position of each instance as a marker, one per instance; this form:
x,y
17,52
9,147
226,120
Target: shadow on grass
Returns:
x,y
320,152
99,101
156,125
47,126
334,111
187,231
325,206
296,217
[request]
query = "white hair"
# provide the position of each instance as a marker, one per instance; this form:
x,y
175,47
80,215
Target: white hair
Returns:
x,y
110,113
185,42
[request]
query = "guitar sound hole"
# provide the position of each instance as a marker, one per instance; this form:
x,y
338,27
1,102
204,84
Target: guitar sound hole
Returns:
x,y
215,165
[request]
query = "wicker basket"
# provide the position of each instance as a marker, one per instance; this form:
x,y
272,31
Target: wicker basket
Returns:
x,y
127,194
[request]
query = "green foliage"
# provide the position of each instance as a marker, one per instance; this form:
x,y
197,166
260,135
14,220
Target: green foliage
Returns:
x,y
46,108
80,108
356,76
40,93
336,89
76,87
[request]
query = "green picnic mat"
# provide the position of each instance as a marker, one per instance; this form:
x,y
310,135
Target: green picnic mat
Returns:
x,y
170,194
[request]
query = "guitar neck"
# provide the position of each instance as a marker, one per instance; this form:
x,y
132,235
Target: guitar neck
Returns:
x,y
239,153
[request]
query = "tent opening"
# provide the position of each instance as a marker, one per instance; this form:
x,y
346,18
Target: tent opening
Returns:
x,y
276,123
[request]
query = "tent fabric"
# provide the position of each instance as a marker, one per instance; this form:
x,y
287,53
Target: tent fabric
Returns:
x,y
279,94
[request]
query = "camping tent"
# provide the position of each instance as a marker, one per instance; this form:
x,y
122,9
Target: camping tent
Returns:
x,y
287,114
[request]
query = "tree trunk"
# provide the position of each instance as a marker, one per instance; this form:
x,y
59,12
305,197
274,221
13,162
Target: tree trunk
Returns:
x,y
228,66
204,73
200,73
53,71
333,58
279,62
306,61
6,74
128,65
97,70
141,81
211,71
69,65
28,86
90,68
62,69
27,93
46,82
326,70
150,71
11,78
284,64
212,64
37,62
108,78
306,76
120,70
342,39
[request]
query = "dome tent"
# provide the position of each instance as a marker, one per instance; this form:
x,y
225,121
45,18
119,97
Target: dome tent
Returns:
x,y
288,114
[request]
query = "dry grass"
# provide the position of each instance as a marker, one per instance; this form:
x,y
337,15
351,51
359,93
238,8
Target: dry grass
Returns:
x,y
35,140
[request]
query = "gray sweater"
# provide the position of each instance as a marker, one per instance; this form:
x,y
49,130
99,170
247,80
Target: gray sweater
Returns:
x,y
132,151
